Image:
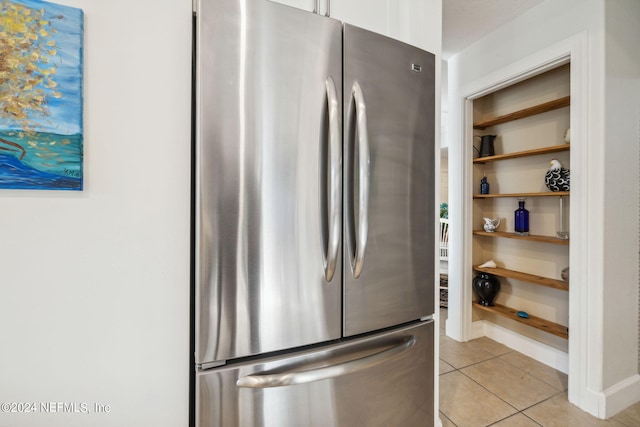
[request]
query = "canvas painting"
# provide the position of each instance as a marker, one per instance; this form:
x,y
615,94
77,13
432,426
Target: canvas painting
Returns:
x,y
41,139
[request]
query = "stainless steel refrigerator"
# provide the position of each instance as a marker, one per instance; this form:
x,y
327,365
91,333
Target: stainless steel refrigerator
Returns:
x,y
314,222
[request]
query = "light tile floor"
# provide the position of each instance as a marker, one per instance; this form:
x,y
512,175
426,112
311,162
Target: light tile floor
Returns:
x,y
484,383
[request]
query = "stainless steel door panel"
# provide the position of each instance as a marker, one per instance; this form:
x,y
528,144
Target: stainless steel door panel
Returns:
x,y
389,383
266,176
389,181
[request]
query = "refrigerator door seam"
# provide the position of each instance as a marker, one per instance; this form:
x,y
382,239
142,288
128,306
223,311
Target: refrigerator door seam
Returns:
x,y
209,365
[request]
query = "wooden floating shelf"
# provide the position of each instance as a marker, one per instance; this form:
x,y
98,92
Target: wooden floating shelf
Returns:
x,y
545,194
527,153
533,321
527,112
531,237
525,277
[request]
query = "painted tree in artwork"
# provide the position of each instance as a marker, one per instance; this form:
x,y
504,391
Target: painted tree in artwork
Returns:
x,y
27,75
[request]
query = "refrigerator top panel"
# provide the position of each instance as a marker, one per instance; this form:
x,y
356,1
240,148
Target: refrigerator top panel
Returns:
x,y
268,179
389,181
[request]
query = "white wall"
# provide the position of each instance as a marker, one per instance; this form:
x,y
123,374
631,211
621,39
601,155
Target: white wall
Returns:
x,y
604,273
95,284
621,193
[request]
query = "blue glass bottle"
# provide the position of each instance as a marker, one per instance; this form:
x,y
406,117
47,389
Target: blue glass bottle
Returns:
x,y
484,186
521,219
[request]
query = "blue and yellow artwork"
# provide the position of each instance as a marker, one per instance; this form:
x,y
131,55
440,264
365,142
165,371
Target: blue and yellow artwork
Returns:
x,y
41,139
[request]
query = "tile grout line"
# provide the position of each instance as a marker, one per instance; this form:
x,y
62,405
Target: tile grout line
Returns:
x,y
559,388
518,411
509,363
536,377
489,391
492,393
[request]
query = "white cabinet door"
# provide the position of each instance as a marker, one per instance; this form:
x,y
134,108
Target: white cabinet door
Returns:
x,y
372,15
416,22
299,4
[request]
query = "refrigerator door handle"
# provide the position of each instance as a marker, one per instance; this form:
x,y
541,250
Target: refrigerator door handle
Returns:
x,y
363,178
299,376
316,8
335,167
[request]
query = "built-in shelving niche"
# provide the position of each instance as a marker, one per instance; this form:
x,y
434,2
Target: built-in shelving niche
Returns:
x,y
530,120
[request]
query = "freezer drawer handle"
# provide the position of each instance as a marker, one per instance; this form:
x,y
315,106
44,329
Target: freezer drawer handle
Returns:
x,y
304,377
335,180
363,179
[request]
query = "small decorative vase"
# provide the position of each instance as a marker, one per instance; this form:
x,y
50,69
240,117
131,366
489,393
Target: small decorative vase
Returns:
x,y
486,286
521,219
486,145
484,185
561,234
491,225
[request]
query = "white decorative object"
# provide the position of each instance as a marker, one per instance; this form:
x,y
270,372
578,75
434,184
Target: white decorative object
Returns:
x,y
444,239
567,136
491,225
488,264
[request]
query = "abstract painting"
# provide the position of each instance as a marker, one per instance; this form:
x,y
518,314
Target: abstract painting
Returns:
x,y
41,135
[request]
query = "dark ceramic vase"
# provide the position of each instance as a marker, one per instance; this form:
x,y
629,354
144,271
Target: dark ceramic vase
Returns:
x,y
487,287
486,145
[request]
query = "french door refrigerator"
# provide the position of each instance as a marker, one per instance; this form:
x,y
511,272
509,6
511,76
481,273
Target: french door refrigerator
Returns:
x,y
314,222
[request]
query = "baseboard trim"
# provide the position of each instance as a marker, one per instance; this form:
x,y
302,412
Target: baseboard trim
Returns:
x,y
543,353
617,397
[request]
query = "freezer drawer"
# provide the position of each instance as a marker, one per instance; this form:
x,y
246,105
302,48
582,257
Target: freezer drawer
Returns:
x,y
381,380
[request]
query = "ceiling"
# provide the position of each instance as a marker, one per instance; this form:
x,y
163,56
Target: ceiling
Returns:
x,y
465,21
